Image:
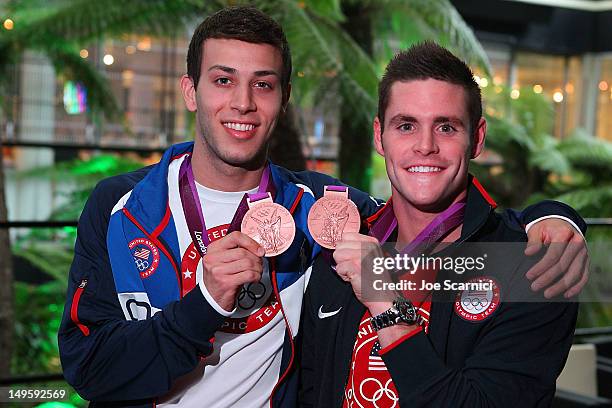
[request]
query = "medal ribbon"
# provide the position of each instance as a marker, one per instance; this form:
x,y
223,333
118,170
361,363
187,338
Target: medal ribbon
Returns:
x,y
424,242
441,225
193,209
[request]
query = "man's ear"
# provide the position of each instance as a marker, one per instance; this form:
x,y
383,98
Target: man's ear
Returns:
x,y
378,144
286,95
479,138
189,93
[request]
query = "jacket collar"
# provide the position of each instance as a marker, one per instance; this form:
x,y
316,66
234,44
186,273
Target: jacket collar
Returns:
x,y
479,205
149,199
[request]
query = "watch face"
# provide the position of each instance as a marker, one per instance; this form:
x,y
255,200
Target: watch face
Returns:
x,y
407,312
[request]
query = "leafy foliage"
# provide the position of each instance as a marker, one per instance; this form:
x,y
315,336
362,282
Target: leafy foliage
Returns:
x,y
38,308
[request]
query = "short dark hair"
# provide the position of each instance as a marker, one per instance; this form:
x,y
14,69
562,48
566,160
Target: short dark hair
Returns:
x,y
428,60
239,23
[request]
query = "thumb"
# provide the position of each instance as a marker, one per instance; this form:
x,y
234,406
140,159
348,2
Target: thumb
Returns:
x,y
534,246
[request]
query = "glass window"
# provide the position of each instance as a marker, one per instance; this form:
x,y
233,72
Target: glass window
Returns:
x,y
604,100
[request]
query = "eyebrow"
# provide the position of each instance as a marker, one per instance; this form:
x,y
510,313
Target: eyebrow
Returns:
x,y
234,71
452,119
440,119
402,118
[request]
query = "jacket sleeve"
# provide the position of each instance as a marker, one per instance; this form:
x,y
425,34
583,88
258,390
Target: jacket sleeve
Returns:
x,y
515,361
544,209
104,356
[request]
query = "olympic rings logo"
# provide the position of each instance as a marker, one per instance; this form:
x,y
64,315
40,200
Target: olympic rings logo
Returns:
x,y
141,264
475,303
250,294
379,393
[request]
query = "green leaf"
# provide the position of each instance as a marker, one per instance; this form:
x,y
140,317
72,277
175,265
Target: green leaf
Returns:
x,y
326,8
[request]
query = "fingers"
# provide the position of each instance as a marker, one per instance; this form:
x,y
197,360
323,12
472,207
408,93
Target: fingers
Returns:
x,y
552,256
575,290
549,267
237,239
534,245
229,263
573,274
344,271
235,254
564,259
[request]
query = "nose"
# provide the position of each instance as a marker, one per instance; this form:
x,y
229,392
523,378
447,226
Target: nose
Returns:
x,y
426,144
242,99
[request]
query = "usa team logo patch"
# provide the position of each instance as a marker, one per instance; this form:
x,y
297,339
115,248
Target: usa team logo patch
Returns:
x,y
475,305
146,256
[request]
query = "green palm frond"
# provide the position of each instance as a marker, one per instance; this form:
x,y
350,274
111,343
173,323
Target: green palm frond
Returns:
x,y
504,135
435,20
546,155
594,201
326,8
83,20
583,149
337,64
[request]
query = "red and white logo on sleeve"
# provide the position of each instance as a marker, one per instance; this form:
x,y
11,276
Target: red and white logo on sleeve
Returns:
x,y
256,302
145,255
477,305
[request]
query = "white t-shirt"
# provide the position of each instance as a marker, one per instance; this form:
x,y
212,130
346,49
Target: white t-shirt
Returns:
x,y
244,366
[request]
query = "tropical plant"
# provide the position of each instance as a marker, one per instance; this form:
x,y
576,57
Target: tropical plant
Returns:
x,y
38,308
332,45
528,164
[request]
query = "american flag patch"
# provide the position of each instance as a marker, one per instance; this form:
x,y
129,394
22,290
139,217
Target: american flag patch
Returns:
x,y
142,253
375,361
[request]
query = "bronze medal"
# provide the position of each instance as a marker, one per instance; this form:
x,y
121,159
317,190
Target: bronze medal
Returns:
x,y
268,223
332,215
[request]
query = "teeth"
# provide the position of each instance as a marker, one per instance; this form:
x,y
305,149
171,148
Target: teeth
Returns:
x,y
243,127
423,169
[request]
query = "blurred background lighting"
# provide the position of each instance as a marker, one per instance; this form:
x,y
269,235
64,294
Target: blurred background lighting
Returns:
x,y
515,93
127,76
537,88
8,24
130,49
144,44
84,53
484,82
603,86
75,98
558,96
108,59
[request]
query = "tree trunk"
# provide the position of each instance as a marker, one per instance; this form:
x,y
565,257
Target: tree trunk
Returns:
x,y
6,285
286,147
355,158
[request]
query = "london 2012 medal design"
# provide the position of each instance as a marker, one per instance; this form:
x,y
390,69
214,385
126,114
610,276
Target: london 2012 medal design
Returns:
x,y
332,215
269,224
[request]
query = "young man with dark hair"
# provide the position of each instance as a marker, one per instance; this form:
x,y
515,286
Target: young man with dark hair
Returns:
x,y
439,346
169,303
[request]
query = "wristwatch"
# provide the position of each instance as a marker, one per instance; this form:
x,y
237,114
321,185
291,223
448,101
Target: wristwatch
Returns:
x,y
402,311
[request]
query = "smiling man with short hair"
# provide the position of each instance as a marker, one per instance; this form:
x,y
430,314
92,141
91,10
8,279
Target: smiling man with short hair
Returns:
x,y
473,347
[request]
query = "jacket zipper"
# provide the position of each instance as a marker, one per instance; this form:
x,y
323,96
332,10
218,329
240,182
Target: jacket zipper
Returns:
x,y
276,292
74,308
